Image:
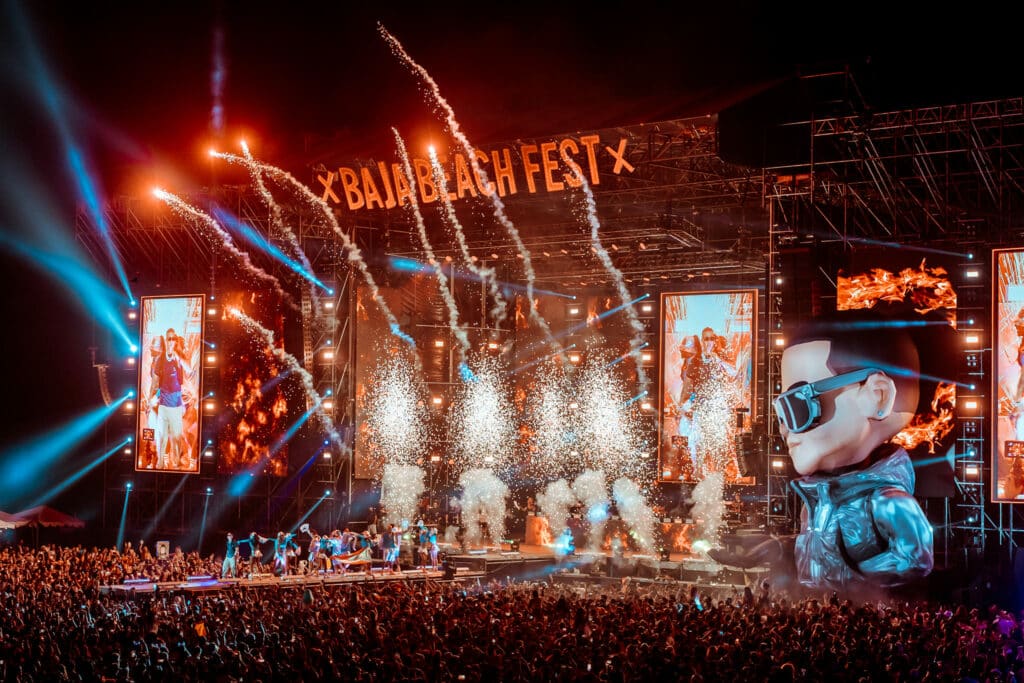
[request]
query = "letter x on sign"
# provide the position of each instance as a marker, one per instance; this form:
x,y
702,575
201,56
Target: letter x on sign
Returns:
x,y
619,156
328,181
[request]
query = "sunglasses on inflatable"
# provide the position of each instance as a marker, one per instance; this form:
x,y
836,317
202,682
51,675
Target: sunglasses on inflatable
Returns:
x,y
799,409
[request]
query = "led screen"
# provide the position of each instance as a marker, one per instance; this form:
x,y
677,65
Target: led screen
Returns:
x,y
707,375
1008,361
170,372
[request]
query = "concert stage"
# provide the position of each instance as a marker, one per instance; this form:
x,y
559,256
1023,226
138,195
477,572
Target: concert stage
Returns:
x,y
540,562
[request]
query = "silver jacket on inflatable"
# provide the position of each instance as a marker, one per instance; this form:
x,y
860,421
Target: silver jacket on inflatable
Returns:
x,y
863,526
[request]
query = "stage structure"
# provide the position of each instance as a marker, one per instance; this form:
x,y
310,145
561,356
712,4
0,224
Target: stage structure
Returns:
x,y
940,181
675,217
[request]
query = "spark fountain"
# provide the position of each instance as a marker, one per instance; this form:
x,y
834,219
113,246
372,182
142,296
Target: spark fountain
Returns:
x,y
634,510
400,491
481,420
590,488
484,498
554,503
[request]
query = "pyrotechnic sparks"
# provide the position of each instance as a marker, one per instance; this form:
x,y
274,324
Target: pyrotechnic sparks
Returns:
x,y
396,412
277,220
634,510
606,423
483,498
481,174
554,503
606,260
708,509
400,491
183,208
355,256
291,363
442,281
481,420
592,492
551,418
486,274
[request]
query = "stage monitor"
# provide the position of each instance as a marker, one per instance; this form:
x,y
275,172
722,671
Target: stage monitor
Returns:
x,y
170,377
707,379
1008,371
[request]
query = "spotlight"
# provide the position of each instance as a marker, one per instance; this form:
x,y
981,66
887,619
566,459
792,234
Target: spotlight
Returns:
x,y
209,490
574,358
574,310
439,343
208,453
329,392
327,455
492,345
666,473
131,393
331,292
211,311
131,360
328,404
573,405
971,471
436,400
646,308
211,358
328,305
780,341
971,338
972,273
329,354
327,492
778,463
209,406
647,356
132,315
970,404
128,486
645,406
129,406
130,439
778,280
133,348
435,458
128,450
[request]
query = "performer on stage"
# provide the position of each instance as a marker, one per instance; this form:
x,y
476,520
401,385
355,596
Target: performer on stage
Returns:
x,y
255,553
230,567
433,547
283,544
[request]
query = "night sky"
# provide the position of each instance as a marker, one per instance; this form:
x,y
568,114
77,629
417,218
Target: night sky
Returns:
x,y
131,82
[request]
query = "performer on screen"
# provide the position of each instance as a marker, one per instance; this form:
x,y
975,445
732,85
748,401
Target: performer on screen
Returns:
x,y
167,396
707,401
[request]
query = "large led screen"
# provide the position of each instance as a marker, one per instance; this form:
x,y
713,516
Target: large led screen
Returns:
x,y
917,296
1008,368
170,372
707,375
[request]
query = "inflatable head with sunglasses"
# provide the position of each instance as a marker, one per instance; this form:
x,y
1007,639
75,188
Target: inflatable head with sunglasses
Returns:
x,y
850,384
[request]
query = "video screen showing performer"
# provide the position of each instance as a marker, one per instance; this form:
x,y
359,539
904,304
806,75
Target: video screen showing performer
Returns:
x,y
1008,363
707,377
170,372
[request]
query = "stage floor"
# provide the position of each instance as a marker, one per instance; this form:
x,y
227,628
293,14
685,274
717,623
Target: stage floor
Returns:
x,y
530,562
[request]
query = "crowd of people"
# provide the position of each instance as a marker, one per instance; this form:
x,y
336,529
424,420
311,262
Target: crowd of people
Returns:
x,y
56,624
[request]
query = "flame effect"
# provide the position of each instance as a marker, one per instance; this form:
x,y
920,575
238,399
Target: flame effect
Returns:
x,y
931,427
927,289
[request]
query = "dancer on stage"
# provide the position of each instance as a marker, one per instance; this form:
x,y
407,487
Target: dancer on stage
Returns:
x,y
230,566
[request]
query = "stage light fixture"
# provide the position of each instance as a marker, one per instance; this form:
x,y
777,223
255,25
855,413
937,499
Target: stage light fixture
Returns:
x,y
209,490
971,338
128,486
208,453
211,311
970,404
435,458
645,406
327,492
573,405
329,305
133,348
133,315
574,358
129,406
439,343
211,358
328,404
436,400
780,341
131,360
209,406
666,473
778,463
574,310
778,280
646,356
971,471
329,354
327,455
646,308
128,450
492,345
972,273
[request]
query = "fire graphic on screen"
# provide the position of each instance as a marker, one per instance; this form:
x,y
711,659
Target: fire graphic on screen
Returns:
x,y
257,408
927,289
931,428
